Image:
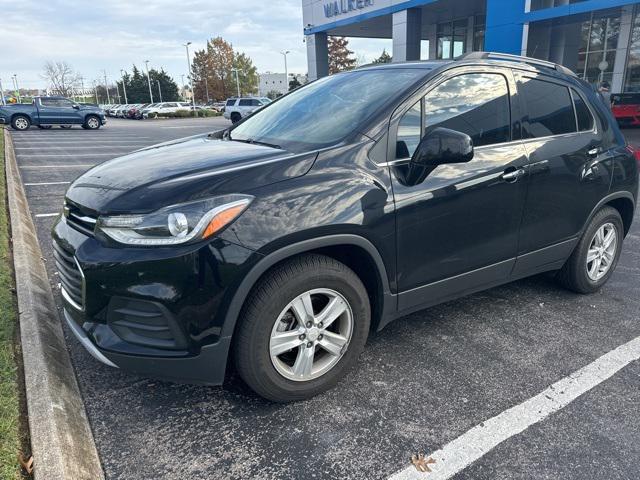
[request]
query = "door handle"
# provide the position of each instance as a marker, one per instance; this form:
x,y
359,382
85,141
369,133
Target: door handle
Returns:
x,y
513,176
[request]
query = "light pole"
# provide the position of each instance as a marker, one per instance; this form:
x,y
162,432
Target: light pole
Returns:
x,y
206,83
82,87
149,80
118,92
237,71
190,76
106,87
95,91
1,94
159,89
124,87
17,89
286,72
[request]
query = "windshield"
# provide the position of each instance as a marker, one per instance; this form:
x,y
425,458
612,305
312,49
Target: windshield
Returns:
x,y
326,111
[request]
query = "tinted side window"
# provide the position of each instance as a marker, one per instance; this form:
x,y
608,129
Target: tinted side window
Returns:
x,y
48,102
585,119
255,102
476,104
245,103
548,107
231,102
64,103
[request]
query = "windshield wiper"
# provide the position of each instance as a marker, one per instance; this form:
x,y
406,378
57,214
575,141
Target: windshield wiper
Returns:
x,y
257,142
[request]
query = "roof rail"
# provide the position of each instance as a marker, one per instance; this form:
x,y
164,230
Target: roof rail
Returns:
x,y
515,58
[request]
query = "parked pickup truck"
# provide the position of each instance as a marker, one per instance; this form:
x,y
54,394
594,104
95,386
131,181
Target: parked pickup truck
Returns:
x,y
44,112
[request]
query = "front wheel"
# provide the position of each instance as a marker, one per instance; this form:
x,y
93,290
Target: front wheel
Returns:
x,y
302,328
596,255
92,123
20,122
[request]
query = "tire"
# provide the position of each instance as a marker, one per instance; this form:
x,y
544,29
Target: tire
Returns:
x,y
20,122
582,276
92,122
235,117
266,313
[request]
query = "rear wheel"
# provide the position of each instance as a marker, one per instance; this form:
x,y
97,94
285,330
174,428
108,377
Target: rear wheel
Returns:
x,y
302,328
235,117
20,122
92,122
596,255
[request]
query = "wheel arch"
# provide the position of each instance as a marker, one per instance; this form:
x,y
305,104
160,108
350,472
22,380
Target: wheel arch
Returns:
x,y
21,114
355,251
623,202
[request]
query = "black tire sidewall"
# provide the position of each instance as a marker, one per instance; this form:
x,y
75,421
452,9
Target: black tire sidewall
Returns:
x,y
266,379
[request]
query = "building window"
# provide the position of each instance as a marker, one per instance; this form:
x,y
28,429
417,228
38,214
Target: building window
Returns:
x,y
542,4
598,44
479,27
632,76
451,39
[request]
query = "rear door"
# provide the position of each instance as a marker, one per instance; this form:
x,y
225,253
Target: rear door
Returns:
x,y
569,169
457,229
48,111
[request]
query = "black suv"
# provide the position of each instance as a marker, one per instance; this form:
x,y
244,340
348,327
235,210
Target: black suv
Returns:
x,y
354,200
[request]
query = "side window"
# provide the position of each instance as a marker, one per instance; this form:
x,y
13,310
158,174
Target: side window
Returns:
x,y
476,104
245,102
48,102
255,102
409,132
63,102
549,108
585,119
230,103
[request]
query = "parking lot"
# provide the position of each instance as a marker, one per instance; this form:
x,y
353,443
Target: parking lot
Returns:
x,y
422,382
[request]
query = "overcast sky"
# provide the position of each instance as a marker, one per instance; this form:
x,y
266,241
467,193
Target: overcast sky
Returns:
x,y
114,34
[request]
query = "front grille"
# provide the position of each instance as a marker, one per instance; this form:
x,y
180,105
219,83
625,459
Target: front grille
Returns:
x,y
71,277
80,219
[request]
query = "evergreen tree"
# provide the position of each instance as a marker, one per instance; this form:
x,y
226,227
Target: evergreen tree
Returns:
x,y
384,58
340,57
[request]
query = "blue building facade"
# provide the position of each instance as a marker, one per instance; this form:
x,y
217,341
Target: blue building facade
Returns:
x,y
598,39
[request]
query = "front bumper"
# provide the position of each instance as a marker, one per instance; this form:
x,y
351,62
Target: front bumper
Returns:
x,y
157,312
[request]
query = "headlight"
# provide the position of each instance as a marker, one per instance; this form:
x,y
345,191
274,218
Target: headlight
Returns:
x,y
176,224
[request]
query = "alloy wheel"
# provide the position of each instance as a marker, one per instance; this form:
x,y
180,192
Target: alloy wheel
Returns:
x,y
311,334
21,123
602,251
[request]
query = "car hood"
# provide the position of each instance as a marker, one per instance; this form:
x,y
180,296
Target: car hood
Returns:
x,y
180,171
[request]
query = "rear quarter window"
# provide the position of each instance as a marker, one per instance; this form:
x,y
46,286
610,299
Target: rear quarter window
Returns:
x,y
548,108
583,114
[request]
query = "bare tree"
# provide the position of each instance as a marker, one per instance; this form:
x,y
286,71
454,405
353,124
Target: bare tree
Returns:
x,y
61,77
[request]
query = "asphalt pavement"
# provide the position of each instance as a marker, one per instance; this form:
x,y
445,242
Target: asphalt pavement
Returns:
x,y
421,383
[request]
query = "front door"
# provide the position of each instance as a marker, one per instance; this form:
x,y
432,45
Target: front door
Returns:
x,y
457,225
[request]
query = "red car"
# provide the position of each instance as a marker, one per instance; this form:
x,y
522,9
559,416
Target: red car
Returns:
x,y
626,109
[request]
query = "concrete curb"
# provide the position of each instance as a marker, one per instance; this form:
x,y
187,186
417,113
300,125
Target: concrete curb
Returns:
x,y
61,439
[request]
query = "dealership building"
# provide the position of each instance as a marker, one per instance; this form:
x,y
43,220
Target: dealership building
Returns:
x,y
598,39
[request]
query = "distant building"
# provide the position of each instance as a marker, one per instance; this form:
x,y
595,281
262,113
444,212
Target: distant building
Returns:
x,y
276,82
597,39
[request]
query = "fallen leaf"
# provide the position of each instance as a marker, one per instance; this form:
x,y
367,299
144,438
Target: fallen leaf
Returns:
x,y
26,464
422,464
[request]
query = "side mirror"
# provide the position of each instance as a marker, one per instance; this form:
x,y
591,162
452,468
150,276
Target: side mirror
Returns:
x,y
442,146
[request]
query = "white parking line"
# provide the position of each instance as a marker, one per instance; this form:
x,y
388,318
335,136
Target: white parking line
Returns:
x,y
77,165
481,439
44,215
45,183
